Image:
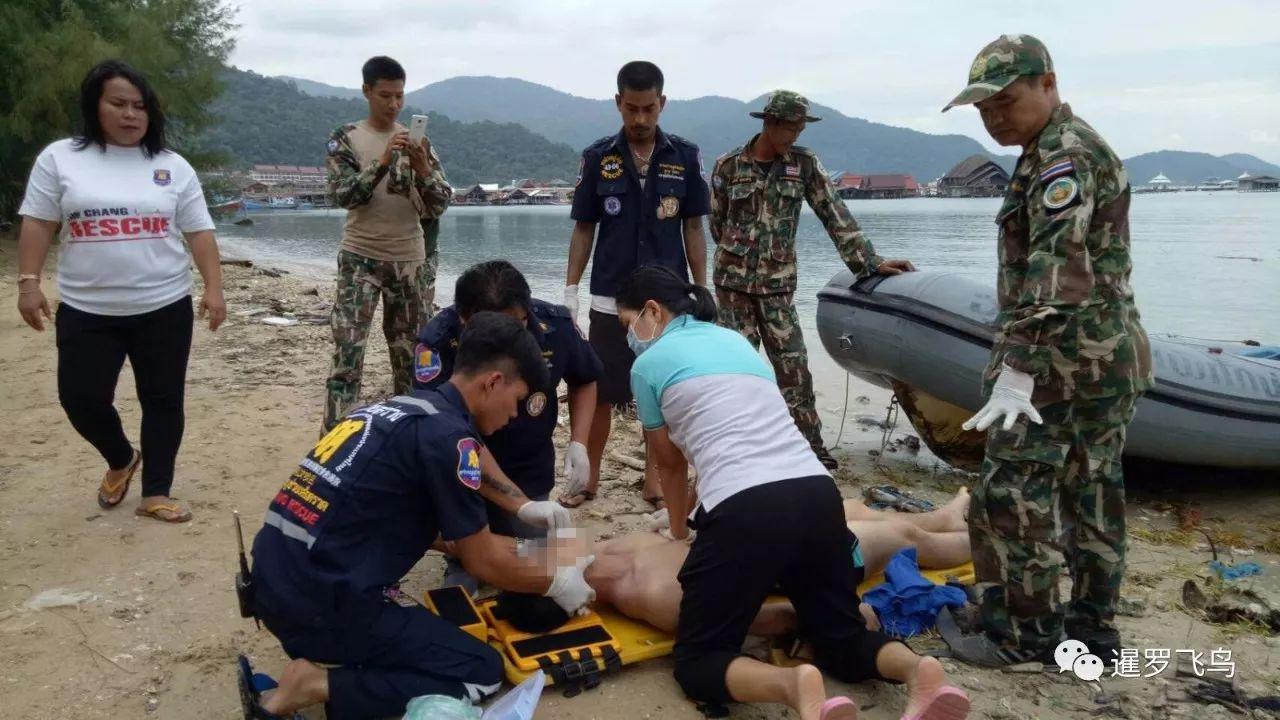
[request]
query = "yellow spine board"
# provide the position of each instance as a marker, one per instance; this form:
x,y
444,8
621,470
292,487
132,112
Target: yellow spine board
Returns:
x,y
454,604
631,640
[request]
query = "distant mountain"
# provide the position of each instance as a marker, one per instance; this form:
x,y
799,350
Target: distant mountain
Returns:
x,y
1193,168
319,89
717,124
270,120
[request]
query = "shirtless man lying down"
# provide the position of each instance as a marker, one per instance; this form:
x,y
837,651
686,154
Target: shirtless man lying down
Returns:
x,y
636,573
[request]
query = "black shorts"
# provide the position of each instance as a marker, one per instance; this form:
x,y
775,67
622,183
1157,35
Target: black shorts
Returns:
x,y
789,534
609,339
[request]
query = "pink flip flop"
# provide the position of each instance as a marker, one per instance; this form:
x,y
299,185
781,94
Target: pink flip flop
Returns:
x,y
946,703
839,708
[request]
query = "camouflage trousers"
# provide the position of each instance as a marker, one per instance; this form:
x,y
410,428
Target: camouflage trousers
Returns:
x,y
1049,496
431,243
403,287
772,319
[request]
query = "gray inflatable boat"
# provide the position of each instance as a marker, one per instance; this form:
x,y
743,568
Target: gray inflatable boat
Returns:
x,y
928,335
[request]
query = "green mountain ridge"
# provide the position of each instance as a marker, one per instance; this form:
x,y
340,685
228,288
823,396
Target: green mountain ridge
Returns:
x,y
1193,168
272,121
718,124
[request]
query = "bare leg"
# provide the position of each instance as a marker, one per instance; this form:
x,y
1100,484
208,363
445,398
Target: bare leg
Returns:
x,y
601,424
948,518
302,684
880,541
800,687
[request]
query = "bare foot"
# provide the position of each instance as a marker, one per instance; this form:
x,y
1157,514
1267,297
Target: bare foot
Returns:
x,y
869,614
922,702
805,691
302,684
957,511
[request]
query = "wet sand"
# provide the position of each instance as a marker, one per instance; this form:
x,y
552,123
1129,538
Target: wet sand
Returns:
x,y
159,631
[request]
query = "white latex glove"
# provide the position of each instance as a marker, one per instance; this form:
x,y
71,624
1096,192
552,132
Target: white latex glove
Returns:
x,y
690,535
577,468
1010,397
571,300
570,589
545,514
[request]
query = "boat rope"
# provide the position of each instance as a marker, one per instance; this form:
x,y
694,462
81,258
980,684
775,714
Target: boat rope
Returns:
x,y
890,423
1249,343
843,413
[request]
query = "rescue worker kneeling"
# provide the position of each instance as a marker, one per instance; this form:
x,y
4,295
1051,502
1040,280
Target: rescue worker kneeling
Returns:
x,y
360,511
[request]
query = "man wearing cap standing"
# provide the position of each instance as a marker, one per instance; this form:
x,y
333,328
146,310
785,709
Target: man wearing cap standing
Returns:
x,y
1069,363
756,194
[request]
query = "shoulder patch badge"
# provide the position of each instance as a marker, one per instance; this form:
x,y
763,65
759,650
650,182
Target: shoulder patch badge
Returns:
x,y
717,182
1061,193
536,404
612,205
333,146
611,166
582,165
469,462
426,363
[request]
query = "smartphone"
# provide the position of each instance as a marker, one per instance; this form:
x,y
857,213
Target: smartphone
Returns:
x,y
418,128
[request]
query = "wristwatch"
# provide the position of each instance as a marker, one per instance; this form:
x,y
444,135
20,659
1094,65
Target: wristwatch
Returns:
x,y
28,276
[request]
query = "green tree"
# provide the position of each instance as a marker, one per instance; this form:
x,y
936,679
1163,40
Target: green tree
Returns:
x,y
46,47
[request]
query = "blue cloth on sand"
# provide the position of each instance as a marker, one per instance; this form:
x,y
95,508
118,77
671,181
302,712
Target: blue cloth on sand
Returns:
x,y
908,603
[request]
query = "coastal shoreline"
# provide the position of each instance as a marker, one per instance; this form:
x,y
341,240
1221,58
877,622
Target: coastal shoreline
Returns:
x,y
157,632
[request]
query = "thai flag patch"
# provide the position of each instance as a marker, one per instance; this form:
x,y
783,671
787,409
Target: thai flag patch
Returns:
x,y
1058,169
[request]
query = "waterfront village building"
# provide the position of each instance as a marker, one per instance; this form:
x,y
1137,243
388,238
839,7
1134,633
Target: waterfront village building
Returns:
x,y
1160,183
304,183
873,187
975,176
1257,183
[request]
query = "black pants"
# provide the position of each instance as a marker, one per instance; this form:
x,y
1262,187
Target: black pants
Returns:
x,y
91,352
791,534
391,657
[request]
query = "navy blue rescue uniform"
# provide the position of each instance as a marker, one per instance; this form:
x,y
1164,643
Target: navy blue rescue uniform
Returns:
x,y
524,448
360,511
632,231
638,224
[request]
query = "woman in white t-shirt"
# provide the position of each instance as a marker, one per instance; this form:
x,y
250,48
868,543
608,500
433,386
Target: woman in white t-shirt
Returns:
x,y
768,516
124,204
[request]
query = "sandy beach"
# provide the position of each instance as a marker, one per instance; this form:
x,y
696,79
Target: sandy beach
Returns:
x,y
155,630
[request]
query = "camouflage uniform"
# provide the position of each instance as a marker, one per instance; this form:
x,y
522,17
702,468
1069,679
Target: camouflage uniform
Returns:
x,y
431,247
1053,494
753,222
406,288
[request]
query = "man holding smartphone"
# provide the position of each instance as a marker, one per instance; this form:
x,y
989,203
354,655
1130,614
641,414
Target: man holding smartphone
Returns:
x,y
390,184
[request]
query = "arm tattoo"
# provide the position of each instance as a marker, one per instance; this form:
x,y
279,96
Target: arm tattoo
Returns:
x,y
503,486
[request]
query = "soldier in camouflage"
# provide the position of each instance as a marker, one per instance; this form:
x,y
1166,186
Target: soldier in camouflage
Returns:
x,y
393,190
1069,363
756,194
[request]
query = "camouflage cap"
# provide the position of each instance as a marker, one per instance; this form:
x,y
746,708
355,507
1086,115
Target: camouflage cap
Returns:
x,y
1001,62
786,105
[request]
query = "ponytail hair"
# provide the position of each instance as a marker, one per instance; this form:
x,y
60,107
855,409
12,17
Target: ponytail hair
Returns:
x,y
661,285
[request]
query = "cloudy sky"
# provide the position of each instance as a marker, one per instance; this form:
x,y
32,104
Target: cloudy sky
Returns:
x,y
1175,74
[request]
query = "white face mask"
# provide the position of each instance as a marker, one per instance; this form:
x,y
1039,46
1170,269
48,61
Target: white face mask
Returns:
x,y
633,340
